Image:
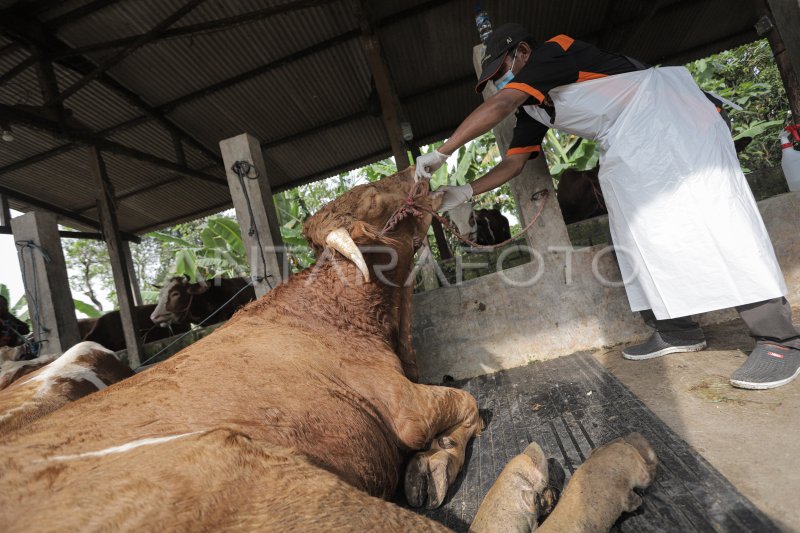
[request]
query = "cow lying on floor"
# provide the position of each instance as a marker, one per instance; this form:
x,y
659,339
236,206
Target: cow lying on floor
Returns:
x,y
56,381
292,416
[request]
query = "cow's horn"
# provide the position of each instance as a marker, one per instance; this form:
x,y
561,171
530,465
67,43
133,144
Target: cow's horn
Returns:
x,y
341,241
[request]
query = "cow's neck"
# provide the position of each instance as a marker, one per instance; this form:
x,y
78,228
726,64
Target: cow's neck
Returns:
x,y
333,293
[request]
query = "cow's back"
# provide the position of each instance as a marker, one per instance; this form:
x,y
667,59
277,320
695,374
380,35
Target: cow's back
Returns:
x,y
278,385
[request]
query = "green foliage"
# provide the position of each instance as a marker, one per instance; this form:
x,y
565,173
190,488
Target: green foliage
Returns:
x,y
87,309
748,76
20,308
215,249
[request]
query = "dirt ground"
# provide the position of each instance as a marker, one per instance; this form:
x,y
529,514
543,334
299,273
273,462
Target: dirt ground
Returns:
x,y
751,437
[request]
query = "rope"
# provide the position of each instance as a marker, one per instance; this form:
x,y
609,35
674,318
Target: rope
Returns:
x,y
170,345
242,169
411,207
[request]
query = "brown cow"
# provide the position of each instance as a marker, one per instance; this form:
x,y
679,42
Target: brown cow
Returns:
x,y
85,368
182,302
289,417
107,329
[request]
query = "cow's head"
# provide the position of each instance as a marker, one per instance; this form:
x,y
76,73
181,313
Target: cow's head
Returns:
x,y
357,218
174,300
463,217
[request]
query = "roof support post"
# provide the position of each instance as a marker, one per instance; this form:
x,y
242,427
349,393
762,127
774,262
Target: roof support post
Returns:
x,y
44,273
784,39
391,111
5,211
119,267
135,289
550,229
255,210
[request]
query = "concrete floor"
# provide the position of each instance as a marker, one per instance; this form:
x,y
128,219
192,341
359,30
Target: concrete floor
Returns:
x,y
751,437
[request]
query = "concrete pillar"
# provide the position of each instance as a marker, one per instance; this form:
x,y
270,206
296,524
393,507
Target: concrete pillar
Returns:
x,y
44,272
253,194
550,229
109,225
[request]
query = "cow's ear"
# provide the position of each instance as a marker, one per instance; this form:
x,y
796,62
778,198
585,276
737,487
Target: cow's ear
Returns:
x,y
198,288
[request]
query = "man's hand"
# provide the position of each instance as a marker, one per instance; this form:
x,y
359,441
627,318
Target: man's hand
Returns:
x,y
428,163
454,196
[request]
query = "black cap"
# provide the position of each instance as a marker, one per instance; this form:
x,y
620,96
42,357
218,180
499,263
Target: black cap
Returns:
x,y
499,42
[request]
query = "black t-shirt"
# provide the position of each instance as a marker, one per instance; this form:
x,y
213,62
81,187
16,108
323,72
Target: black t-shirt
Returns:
x,y
560,61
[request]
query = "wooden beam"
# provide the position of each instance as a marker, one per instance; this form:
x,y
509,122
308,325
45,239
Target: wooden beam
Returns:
x,y
89,235
203,27
18,69
16,115
784,38
116,253
75,217
391,111
258,71
135,289
180,155
58,22
5,212
30,34
125,52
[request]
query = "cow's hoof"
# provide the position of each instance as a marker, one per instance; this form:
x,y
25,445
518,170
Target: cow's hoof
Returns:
x,y
427,479
555,486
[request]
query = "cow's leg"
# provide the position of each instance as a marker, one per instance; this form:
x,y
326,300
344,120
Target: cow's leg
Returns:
x,y
602,488
447,419
527,489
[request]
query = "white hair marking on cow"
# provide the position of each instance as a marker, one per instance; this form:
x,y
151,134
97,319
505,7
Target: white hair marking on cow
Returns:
x,y
65,367
123,447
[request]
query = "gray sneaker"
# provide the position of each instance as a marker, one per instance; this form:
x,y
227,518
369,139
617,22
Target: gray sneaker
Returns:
x,y
768,366
665,343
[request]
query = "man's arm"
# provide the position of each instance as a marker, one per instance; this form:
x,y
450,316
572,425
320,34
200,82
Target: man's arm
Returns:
x,y
488,115
508,168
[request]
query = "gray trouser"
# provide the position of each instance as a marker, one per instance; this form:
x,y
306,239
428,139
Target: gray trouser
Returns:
x,y
768,320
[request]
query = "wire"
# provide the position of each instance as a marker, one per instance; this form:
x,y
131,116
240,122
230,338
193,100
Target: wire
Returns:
x,y
242,169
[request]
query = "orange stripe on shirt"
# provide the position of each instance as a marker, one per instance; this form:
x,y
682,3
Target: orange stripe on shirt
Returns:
x,y
586,76
526,89
564,41
524,150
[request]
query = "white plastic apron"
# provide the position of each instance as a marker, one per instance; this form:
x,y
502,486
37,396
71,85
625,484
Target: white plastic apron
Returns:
x,y
687,231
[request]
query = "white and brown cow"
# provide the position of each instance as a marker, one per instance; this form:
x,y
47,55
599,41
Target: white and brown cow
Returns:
x,y
296,415
83,369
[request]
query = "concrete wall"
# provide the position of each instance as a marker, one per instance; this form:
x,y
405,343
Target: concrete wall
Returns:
x,y
495,322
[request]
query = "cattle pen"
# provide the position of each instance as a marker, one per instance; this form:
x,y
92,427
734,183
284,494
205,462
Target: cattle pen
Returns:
x,y
120,118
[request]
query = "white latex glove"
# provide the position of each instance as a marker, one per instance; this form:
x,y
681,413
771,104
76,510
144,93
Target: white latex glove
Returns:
x,y
454,196
428,163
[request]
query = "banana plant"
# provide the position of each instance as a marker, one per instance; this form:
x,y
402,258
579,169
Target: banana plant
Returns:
x,y
20,308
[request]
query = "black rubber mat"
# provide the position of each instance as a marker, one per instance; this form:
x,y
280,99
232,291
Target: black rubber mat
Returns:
x,y
569,406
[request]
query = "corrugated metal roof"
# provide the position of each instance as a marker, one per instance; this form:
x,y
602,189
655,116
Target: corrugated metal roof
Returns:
x,y
304,87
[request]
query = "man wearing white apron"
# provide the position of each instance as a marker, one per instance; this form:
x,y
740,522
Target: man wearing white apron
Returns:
x,y
687,231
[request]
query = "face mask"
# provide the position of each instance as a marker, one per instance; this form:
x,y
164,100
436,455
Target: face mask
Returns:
x,y
503,80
